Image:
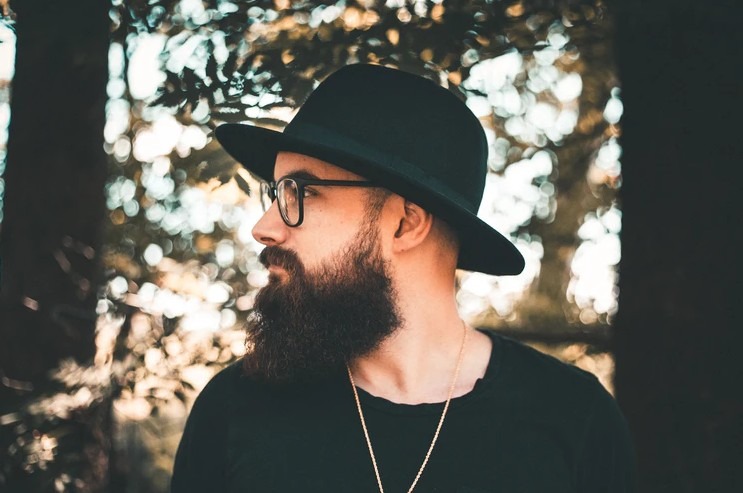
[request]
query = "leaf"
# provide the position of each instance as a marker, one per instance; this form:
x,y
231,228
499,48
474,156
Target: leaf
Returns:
x,y
230,65
243,185
180,395
211,68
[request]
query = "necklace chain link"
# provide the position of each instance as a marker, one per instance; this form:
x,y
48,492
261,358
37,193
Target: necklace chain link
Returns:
x,y
438,428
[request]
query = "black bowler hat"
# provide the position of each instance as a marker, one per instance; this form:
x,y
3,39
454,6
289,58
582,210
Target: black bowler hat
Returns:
x,y
403,132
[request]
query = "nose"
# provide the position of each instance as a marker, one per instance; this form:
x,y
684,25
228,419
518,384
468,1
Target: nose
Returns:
x,y
270,228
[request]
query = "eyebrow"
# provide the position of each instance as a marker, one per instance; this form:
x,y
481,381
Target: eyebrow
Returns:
x,y
301,173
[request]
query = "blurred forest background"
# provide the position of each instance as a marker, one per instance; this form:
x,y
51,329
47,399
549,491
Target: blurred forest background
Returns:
x,y
126,257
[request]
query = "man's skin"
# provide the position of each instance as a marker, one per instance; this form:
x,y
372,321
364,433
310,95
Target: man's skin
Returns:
x,y
416,364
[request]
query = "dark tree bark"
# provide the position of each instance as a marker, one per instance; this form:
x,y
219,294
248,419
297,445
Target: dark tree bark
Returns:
x,y
678,331
55,174
51,233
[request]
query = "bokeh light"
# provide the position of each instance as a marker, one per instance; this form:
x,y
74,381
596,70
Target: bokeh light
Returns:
x,y
7,68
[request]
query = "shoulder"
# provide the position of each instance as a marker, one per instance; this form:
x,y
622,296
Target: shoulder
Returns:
x,y
231,393
576,404
221,385
199,461
527,367
212,402
212,399
545,389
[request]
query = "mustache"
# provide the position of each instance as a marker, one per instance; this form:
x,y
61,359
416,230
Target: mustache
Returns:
x,y
281,257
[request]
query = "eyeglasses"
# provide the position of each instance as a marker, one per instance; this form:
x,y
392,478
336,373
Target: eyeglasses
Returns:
x,y
290,193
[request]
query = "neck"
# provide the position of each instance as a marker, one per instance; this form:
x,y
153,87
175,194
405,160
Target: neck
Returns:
x,y
416,364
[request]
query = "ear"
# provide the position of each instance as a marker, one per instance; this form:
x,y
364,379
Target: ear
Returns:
x,y
414,226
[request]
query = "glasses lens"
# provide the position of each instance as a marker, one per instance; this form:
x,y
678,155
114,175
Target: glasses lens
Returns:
x,y
266,196
287,193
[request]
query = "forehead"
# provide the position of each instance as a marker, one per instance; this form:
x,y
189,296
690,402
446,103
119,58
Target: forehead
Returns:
x,y
290,162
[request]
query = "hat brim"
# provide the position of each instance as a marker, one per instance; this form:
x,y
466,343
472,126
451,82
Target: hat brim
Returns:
x,y
482,248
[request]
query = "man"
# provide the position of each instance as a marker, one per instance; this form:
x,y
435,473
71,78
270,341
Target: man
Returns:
x,y
360,375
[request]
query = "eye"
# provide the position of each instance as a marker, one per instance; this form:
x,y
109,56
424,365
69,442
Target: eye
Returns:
x,y
308,192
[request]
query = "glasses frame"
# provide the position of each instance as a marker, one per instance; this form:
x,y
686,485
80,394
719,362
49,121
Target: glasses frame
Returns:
x,y
271,189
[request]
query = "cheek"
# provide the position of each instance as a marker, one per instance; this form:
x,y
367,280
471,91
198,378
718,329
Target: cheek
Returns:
x,y
338,218
327,230
318,249
325,249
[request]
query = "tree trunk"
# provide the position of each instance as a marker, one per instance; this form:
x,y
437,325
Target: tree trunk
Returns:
x,y
54,205
55,174
678,330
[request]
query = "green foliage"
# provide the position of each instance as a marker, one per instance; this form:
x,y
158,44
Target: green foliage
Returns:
x,y
283,48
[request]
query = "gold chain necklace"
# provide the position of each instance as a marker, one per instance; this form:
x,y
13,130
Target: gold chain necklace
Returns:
x,y
438,428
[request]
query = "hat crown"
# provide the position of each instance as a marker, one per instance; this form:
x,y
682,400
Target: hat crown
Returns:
x,y
406,118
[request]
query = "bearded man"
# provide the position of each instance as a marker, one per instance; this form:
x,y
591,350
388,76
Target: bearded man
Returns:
x,y
360,375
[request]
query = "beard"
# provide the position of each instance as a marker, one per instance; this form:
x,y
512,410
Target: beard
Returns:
x,y
309,325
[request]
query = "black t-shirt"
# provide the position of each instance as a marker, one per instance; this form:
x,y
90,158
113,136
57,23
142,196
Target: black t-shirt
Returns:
x,y
531,425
